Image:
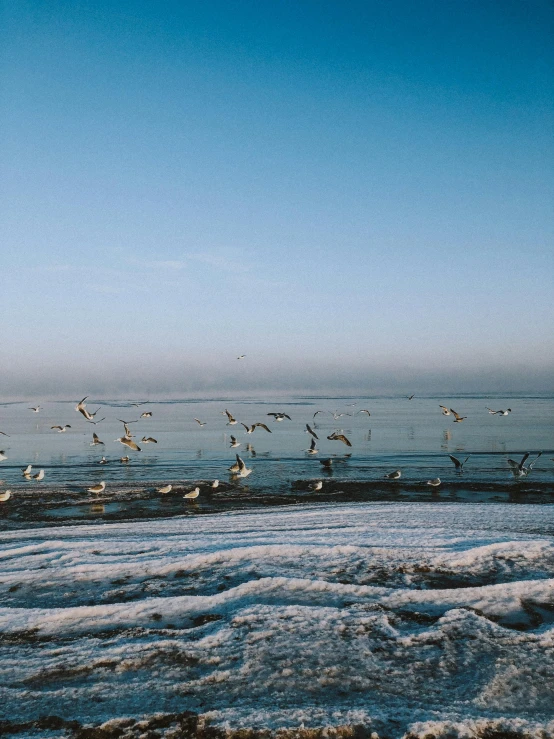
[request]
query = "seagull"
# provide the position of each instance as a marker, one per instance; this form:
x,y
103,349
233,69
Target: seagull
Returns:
x,y
262,426
148,440
312,449
39,476
240,469
310,430
445,410
280,416
326,463
339,437
27,471
193,494
164,489
232,421
215,484
36,409
144,402
411,396
128,433
3,433
317,485
2,455
500,413
99,420
126,441
519,469
97,488
435,482
124,459
81,404
5,495
315,414
457,417
396,475
103,461
363,410
82,409
146,414
61,429
200,423
96,440
457,464
234,442
242,356
337,415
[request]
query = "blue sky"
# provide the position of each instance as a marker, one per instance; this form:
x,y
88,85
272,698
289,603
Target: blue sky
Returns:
x,y
349,193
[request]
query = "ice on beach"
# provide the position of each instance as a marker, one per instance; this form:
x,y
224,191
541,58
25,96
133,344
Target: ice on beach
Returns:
x,y
394,616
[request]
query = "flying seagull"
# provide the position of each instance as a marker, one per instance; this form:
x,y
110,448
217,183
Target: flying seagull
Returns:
x,y
148,440
410,397
61,429
363,410
200,423
240,469
445,410
500,413
339,437
457,417
242,356
96,440
146,414
232,421
128,433
126,441
3,433
234,442
35,409
279,416
312,449
457,463
2,456
519,469
310,430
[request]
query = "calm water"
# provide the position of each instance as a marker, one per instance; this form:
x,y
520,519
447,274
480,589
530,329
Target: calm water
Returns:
x,y
400,434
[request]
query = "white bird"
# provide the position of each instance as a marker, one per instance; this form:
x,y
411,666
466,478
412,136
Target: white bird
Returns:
x,y
215,484
396,475
445,410
27,471
146,414
96,440
232,421
239,468
242,356
2,456
279,416
103,461
234,442
193,494
129,443
457,417
35,409
457,463
39,476
519,469
97,488
317,485
5,495
309,430
61,429
335,436
128,433
500,413
435,482
148,440
81,408
124,459
312,449
165,489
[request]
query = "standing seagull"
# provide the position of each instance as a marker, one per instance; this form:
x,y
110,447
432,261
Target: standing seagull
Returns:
x,y
5,495
317,485
193,494
457,464
39,476
97,488
164,489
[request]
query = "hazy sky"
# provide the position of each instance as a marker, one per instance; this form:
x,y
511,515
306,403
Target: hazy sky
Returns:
x,y
352,194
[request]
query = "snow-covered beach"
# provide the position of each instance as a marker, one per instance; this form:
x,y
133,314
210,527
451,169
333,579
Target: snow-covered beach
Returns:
x,y
397,617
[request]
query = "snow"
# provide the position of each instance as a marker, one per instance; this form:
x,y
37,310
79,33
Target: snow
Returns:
x,y
419,619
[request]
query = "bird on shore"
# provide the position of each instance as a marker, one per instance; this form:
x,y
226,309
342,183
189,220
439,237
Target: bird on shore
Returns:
x,y
234,442
193,494
39,476
5,496
457,417
96,440
148,440
500,413
280,416
310,430
312,449
97,488
215,484
317,485
435,482
396,475
232,421
445,410
519,469
35,409
146,414
164,489
61,429
126,441
457,463
200,423
335,436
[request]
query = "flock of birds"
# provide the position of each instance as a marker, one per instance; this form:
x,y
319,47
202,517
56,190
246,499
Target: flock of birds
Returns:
x,y
239,468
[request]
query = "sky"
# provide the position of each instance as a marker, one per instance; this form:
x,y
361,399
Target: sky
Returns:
x,y
356,196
